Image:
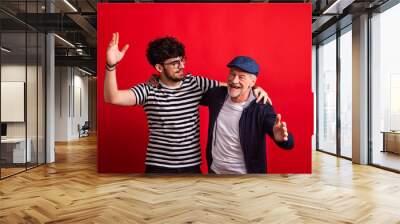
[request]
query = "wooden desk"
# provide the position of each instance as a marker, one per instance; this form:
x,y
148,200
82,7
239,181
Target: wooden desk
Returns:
x,y
391,141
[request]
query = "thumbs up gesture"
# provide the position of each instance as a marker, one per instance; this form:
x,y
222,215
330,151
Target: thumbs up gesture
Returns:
x,y
280,130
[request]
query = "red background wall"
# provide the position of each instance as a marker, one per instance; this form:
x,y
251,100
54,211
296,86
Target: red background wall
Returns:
x,y
277,36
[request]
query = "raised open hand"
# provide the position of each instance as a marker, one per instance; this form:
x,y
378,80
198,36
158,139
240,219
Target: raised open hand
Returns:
x,y
114,55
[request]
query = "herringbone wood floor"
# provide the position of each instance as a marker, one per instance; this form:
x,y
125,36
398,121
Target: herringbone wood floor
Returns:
x,y
71,191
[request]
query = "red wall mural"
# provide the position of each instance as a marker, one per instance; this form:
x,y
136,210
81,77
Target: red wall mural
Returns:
x,y
277,36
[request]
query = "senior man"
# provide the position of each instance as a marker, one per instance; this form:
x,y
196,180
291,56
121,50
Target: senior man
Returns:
x,y
238,124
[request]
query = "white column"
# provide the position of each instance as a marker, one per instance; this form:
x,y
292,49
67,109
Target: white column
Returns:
x,y
360,90
50,92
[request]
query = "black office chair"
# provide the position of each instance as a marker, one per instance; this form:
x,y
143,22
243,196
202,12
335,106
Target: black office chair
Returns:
x,y
84,130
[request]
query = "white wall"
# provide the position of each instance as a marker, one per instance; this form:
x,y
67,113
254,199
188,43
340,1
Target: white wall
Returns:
x,y
80,89
61,103
71,94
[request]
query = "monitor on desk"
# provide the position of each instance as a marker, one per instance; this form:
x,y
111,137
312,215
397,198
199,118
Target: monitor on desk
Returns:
x,y
3,130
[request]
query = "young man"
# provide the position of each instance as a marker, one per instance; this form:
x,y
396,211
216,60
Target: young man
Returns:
x,y
171,109
238,124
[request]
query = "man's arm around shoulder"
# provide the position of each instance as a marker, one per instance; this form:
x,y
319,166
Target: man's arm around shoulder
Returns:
x,y
212,95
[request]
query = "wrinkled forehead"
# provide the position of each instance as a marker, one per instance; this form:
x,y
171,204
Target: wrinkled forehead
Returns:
x,y
238,71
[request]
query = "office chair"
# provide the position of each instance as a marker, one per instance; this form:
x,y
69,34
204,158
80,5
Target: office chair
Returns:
x,y
84,130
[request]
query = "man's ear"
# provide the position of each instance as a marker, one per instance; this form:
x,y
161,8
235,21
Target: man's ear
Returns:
x,y
159,68
253,81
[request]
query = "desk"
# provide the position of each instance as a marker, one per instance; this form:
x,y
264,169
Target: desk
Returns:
x,y
15,148
391,141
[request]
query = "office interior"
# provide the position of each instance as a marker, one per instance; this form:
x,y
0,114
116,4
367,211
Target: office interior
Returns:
x,y
45,97
48,80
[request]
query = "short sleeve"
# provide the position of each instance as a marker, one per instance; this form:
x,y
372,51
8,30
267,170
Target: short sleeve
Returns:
x,y
205,84
141,92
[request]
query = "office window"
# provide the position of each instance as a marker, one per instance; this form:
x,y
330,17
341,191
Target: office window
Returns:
x,y
327,95
14,153
385,88
346,93
22,91
314,84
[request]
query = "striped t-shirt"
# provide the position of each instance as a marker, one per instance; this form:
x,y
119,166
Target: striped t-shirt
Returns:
x,y
173,121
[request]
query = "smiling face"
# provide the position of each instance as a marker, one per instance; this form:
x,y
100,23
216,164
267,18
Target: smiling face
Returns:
x,y
172,69
167,55
240,84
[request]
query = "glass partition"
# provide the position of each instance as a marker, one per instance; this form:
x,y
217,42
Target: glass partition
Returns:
x,y
385,88
22,79
327,95
15,149
346,93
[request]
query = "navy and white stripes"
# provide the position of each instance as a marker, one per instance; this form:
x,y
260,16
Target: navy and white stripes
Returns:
x,y
173,121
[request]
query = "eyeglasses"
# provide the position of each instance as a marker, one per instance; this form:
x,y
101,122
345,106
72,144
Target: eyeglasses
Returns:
x,y
176,62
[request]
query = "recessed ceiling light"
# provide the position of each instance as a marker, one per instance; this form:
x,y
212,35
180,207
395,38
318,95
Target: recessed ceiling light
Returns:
x,y
64,40
337,7
70,5
86,72
5,50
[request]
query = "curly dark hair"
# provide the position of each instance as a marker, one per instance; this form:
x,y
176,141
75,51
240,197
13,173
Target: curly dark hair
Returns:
x,y
164,48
